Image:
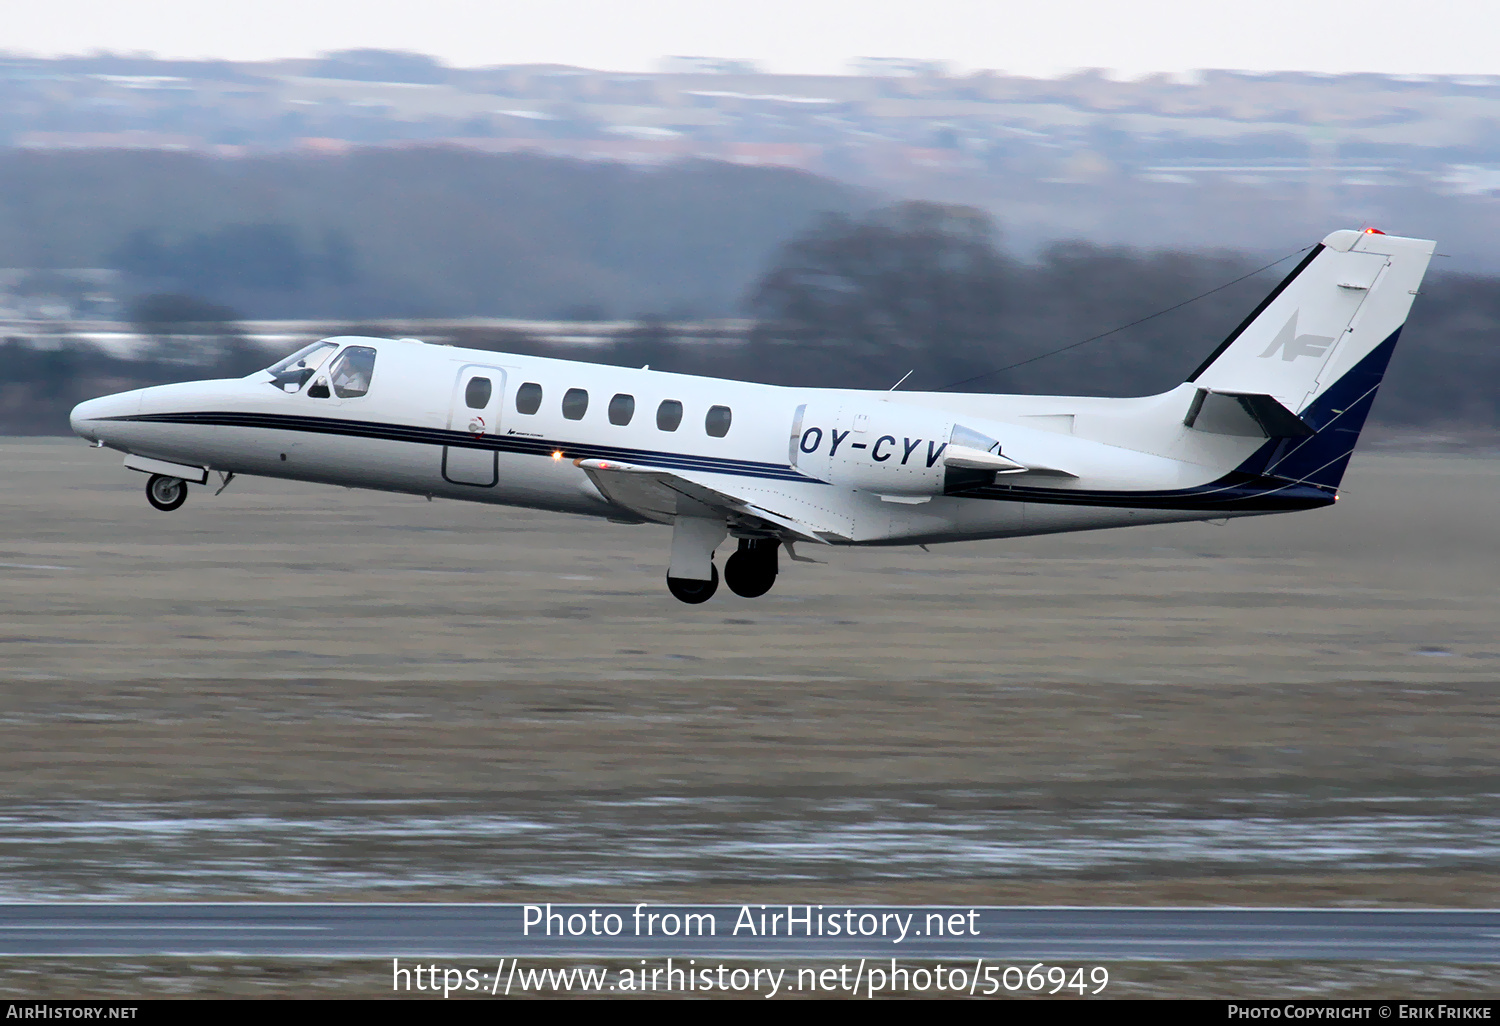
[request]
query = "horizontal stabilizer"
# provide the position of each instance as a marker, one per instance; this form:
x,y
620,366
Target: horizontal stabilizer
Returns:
x,y
1249,415
969,458
663,495
964,457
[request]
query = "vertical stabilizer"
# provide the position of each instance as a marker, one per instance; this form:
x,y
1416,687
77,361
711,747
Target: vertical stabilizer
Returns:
x,y
1319,345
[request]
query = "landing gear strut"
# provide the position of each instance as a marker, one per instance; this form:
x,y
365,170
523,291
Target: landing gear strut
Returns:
x,y
752,570
694,592
166,493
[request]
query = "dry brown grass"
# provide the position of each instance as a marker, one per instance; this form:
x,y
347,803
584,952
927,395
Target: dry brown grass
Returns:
x,y
288,641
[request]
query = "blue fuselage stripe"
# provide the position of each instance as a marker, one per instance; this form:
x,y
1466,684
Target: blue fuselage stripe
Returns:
x,y
516,444
1236,491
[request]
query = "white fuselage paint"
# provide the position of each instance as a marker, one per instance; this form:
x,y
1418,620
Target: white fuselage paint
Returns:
x,y
1105,443
1267,424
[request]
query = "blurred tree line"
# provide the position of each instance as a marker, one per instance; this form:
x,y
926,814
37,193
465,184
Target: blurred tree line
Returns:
x,y
860,299
421,232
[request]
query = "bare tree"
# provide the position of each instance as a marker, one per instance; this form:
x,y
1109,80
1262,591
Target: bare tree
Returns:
x,y
910,285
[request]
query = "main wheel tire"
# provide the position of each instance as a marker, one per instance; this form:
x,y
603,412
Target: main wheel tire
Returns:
x,y
749,573
694,592
166,493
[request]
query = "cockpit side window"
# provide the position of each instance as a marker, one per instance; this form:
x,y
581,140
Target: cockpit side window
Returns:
x,y
352,373
292,373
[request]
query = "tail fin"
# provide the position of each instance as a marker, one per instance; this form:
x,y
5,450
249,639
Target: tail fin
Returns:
x,y
1312,355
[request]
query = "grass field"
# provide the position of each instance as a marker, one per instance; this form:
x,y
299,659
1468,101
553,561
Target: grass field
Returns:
x,y
285,644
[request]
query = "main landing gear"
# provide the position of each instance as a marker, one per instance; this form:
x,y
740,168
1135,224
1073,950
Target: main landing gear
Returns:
x,y
749,572
752,570
694,592
166,493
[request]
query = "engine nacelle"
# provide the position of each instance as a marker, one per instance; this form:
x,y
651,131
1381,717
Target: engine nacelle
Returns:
x,y
892,449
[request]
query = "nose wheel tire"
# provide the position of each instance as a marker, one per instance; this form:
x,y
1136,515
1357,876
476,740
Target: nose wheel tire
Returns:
x,y
751,571
694,592
166,493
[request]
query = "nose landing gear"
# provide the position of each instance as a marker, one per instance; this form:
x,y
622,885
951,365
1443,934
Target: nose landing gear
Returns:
x,y
752,570
166,493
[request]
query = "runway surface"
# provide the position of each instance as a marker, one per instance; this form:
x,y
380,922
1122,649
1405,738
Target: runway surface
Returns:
x,y
425,931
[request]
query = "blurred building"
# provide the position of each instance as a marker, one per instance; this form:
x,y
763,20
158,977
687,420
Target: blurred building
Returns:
x,y
1431,127
1176,160
61,295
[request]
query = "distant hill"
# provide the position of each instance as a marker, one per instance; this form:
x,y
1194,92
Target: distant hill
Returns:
x,y
415,232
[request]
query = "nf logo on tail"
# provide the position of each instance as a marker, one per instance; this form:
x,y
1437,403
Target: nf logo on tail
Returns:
x,y
1293,345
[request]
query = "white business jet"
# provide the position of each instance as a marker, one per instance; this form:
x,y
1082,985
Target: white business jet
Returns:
x,y
1266,425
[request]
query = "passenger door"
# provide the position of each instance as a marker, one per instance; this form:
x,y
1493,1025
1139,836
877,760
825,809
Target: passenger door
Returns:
x,y
475,411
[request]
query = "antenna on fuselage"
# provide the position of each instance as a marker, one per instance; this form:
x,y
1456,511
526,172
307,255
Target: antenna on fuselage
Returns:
x,y
903,378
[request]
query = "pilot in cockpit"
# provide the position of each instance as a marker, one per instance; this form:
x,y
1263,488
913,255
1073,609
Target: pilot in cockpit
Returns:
x,y
351,375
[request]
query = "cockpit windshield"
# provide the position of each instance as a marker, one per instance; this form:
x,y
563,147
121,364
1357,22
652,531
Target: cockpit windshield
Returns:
x,y
292,373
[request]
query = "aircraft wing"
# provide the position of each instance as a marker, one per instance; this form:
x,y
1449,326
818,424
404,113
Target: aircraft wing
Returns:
x,y
662,495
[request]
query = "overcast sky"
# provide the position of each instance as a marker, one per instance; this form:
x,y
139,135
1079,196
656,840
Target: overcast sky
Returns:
x,y
815,36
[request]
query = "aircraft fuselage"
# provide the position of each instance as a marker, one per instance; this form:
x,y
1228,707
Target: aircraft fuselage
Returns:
x,y
1266,425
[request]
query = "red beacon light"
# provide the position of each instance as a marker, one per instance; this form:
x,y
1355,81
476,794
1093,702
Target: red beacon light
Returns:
x,y
1373,231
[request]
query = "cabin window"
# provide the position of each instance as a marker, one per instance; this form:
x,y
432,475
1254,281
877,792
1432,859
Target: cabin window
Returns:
x,y
477,393
529,398
621,409
292,373
717,421
575,403
669,415
351,375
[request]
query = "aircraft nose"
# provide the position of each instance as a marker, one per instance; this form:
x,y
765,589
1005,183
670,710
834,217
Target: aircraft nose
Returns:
x,y
89,419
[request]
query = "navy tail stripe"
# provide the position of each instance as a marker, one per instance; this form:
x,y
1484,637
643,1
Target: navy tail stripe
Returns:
x,y
1337,417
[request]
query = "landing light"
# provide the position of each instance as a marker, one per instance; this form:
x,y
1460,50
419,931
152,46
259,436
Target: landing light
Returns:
x,y
557,455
